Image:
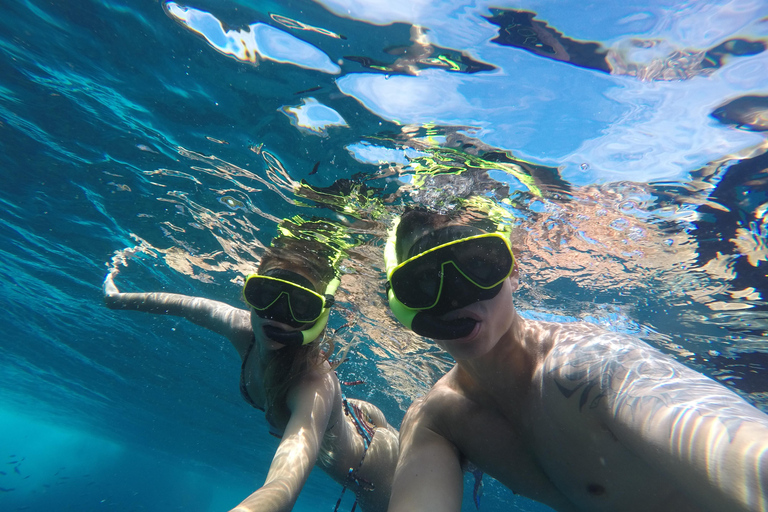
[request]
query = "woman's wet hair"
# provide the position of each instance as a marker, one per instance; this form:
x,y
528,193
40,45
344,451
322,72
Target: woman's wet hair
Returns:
x,y
306,257
298,249
300,256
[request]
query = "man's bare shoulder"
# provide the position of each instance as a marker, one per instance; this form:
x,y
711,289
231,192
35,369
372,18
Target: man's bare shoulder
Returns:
x,y
447,409
580,349
588,357
443,399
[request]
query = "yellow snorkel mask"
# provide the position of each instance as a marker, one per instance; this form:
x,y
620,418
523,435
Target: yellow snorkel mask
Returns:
x,y
449,268
288,298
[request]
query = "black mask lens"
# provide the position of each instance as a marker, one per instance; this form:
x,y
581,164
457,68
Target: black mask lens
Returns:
x,y
459,273
282,301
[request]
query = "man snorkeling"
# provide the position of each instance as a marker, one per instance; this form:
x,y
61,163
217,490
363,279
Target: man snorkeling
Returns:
x,y
566,414
286,373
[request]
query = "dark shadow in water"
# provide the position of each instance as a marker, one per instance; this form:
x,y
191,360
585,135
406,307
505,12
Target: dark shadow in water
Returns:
x,y
748,372
715,57
741,190
746,113
520,29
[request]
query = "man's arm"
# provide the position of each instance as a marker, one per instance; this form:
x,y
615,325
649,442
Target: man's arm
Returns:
x,y
216,316
428,475
703,436
713,442
310,403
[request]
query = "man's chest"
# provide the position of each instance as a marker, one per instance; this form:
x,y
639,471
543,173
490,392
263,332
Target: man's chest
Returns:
x,y
561,455
587,463
499,447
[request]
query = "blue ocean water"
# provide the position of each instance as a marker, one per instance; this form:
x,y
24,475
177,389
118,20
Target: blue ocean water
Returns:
x,y
166,139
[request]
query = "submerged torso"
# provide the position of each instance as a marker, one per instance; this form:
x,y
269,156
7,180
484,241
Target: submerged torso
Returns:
x,y
371,457
550,443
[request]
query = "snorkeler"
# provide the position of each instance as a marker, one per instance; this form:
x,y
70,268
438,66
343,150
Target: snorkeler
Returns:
x,y
567,414
286,374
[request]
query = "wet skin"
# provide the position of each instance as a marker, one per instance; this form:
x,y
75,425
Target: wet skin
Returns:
x,y
579,419
315,429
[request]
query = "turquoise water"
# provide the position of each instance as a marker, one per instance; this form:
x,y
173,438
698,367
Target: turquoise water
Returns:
x,y
628,139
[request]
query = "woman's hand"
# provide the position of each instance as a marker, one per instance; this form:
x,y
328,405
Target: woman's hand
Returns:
x,y
111,293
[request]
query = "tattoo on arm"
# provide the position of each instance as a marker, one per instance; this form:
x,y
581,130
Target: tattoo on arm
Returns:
x,y
623,374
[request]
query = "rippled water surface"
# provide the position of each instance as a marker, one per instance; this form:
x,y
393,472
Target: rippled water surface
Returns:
x,y
167,140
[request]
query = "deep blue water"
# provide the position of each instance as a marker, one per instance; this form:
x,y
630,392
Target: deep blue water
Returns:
x,y
627,138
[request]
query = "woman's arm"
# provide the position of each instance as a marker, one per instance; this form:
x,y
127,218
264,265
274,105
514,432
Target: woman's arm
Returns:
x,y
310,403
216,316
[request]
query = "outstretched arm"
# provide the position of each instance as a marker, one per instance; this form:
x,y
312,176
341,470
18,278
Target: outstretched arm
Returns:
x,y
428,475
712,441
310,403
703,436
216,316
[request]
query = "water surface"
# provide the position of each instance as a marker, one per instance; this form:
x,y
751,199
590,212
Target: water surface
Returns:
x,y
167,139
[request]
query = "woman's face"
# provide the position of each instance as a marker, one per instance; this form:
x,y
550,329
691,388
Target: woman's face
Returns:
x,y
258,323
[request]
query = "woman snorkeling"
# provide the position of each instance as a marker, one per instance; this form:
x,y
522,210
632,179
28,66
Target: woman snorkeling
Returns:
x,y
287,375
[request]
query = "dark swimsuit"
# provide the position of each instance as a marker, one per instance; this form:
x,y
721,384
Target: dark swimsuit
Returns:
x,y
247,397
243,387
362,423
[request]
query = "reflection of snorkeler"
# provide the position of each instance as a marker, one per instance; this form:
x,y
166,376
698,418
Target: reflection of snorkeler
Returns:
x,y
519,29
567,414
286,374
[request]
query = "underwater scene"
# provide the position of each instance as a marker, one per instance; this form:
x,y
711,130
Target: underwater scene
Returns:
x,y
168,143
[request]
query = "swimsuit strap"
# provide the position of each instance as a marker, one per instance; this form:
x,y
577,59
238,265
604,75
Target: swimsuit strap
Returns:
x,y
243,386
366,432
273,430
364,429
